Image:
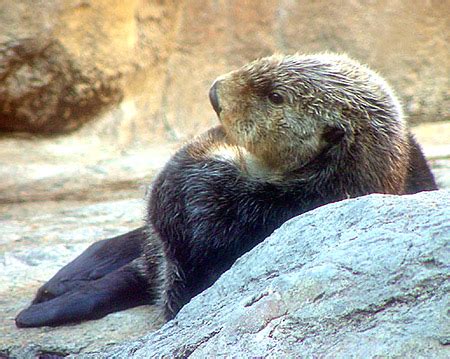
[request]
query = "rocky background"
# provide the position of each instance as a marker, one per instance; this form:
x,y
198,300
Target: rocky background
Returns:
x,y
96,94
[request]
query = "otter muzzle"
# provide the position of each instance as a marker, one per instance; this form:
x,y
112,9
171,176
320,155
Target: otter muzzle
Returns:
x,y
214,98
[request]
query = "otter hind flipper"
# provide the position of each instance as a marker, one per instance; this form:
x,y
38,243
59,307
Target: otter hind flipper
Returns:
x,y
118,290
98,282
96,261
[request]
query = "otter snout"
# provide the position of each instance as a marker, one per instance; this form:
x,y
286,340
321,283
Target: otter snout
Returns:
x,y
214,98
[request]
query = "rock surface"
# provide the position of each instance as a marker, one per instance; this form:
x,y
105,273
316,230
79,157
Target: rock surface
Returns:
x,y
46,173
362,278
64,63
145,67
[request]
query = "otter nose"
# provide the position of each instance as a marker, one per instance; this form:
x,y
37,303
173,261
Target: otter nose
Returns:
x,y
213,97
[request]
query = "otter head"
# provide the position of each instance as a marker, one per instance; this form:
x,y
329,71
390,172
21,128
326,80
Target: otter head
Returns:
x,y
286,110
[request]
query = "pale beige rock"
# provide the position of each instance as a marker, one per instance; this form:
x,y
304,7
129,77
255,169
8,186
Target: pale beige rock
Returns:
x,y
67,62
63,63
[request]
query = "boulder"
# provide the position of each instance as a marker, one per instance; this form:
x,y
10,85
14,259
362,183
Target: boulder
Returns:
x,y
361,278
64,63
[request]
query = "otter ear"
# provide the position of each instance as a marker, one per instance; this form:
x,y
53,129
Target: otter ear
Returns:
x,y
333,135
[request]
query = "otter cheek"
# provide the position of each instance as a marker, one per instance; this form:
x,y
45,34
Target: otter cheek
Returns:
x,y
231,125
226,121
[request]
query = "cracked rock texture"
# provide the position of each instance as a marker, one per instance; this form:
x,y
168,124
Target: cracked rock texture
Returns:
x,y
362,278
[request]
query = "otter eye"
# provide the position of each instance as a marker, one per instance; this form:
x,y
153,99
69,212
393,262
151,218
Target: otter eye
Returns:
x,y
276,98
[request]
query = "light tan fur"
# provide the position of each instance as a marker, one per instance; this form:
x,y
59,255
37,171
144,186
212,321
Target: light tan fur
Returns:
x,y
320,91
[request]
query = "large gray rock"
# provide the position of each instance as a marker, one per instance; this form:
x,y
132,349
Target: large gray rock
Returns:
x,y
361,278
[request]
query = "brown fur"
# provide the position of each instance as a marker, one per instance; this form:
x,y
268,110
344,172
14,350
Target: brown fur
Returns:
x,y
321,92
297,132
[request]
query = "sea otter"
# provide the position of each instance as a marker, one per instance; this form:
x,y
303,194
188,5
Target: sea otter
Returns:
x,y
296,132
